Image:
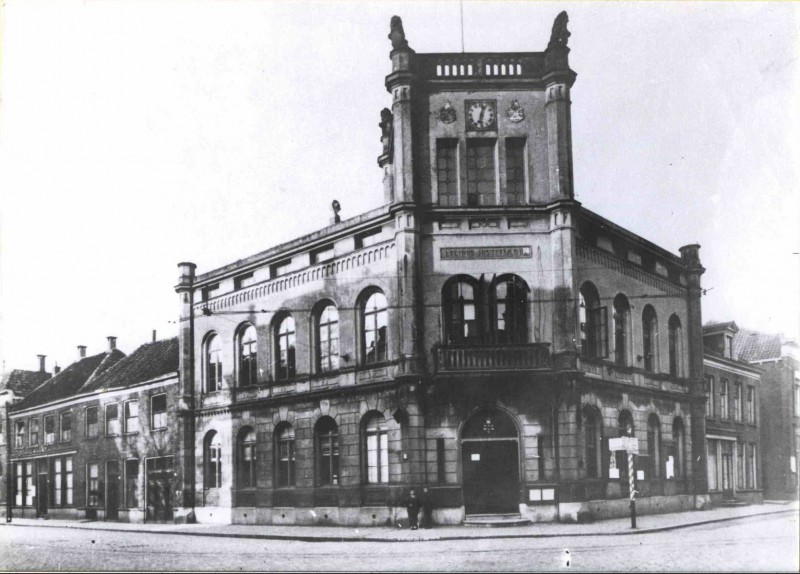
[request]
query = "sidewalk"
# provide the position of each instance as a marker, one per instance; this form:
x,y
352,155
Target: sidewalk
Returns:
x,y
614,527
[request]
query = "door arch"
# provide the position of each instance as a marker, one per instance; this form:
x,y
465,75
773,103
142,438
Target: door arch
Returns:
x,y
490,463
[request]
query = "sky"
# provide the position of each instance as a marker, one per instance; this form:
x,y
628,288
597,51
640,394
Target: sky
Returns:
x,y
136,135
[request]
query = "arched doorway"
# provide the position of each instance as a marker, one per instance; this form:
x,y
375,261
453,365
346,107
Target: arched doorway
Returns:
x,y
490,463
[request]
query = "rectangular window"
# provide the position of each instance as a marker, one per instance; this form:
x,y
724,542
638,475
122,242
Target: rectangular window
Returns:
x,y
723,399
210,291
131,417
737,401
92,428
33,430
598,319
515,171
740,465
112,419
709,396
158,408
441,476
481,173
30,488
280,268
132,489
368,238
243,281
94,491
19,437
61,481
23,474
66,426
447,171
322,254
49,429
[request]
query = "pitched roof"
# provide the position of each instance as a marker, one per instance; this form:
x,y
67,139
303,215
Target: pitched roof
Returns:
x,y
70,380
713,327
148,362
754,346
22,382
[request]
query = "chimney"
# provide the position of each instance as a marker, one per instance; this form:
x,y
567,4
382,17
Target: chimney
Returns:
x,y
81,351
154,335
41,362
56,370
112,343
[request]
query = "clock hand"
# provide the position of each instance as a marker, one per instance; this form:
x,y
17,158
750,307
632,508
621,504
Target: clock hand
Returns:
x,y
480,118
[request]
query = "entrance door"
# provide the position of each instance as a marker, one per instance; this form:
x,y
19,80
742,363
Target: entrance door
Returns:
x,y
490,464
112,490
42,490
727,467
159,489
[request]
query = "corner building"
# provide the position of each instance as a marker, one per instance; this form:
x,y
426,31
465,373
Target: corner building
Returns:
x,y
481,334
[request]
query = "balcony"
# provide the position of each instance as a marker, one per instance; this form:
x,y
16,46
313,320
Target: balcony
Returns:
x,y
492,358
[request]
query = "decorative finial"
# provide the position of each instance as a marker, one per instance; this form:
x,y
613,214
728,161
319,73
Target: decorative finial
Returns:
x,y
396,33
336,207
560,35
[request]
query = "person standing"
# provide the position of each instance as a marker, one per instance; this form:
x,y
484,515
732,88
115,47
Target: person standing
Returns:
x,y
412,507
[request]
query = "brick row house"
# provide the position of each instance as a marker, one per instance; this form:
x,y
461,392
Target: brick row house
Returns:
x,y
733,391
97,440
481,334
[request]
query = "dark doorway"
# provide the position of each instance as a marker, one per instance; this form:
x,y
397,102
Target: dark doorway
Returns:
x,y
42,490
112,490
159,489
490,464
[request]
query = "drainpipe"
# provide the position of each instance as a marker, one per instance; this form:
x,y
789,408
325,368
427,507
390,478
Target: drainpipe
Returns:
x,y
9,482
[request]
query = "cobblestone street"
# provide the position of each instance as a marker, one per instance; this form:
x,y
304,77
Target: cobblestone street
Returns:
x,y
757,543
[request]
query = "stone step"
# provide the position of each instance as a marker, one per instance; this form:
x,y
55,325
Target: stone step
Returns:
x,y
495,520
734,502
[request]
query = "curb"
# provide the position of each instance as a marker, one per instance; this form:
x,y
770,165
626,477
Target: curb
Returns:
x,y
307,538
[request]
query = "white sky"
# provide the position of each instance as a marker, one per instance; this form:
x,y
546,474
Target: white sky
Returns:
x,y
136,135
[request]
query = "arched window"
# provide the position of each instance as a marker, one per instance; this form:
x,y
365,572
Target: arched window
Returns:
x,y
511,310
284,437
327,434
622,329
593,439
213,364
247,458
618,464
654,445
375,321
675,347
328,339
593,323
462,325
377,449
678,449
650,339
212,460
284,352
248,351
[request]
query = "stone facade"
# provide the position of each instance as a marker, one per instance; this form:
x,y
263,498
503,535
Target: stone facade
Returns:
x,y
481,335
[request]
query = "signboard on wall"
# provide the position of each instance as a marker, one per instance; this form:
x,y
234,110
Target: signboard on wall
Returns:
x,y
468,253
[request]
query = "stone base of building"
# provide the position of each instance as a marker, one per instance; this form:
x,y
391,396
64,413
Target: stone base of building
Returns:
x,y
747,497
620,508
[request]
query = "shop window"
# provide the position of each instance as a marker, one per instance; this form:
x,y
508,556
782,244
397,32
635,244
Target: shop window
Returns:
x,y
447,171
481,172
285,335
213,364
247,458
375,320
66,426
131,417
593,323
377,449
61,481
247,344
462,326
92,426
328,339
212,460
24,491
511,310
93,485
327,434
711,460
284,436
158,410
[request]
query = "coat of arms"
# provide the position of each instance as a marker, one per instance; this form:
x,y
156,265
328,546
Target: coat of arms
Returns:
x,y
515,113
447,114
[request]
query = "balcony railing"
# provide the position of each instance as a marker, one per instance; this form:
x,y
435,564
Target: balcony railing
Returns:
x,y
493,358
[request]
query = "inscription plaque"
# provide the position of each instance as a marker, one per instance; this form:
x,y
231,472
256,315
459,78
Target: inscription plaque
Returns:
x,y
510,252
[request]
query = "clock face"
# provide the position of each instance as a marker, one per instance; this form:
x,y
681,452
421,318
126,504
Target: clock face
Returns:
x,y
481,115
